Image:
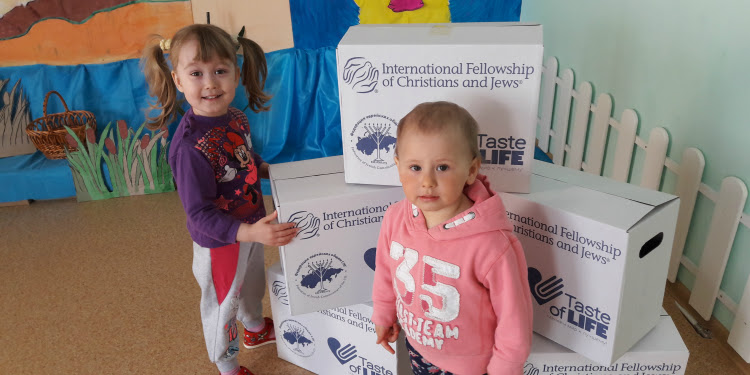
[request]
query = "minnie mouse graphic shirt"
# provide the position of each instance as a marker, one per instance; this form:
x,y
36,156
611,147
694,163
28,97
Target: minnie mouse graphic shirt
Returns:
x,y
217,175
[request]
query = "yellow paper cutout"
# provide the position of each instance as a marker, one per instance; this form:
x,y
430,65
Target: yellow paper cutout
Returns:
x,y
377,12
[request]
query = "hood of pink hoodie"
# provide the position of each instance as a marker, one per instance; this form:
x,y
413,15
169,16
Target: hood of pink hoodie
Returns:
x,y
487,205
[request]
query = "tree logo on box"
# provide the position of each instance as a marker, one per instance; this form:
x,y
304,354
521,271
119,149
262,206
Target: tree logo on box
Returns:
x,y
321,275
360,75
307,223
373,141
544,291
297,338
342,354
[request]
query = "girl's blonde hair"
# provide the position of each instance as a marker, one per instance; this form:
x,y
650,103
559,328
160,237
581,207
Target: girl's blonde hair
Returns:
x,y
435,117
212,42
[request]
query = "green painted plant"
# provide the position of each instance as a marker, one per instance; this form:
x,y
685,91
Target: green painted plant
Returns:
x,y
135,165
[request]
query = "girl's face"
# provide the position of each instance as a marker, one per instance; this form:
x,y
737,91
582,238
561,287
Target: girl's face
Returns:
x,y
434,168
208,86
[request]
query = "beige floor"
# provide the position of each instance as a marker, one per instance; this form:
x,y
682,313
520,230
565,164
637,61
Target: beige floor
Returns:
x,y
106,288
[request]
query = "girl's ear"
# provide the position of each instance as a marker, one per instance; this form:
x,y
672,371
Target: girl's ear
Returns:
x,y
176,81
473,171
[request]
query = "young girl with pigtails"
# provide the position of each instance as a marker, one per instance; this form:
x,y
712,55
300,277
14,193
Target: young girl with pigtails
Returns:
x,y
218,179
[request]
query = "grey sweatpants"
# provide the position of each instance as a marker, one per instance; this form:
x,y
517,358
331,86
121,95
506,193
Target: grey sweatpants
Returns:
x,y
229,294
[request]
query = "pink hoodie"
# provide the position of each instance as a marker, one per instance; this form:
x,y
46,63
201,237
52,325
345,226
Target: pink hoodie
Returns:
x,y
460,289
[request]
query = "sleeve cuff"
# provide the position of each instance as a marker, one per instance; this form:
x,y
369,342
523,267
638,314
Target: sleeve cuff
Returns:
x,y
383,314
232,232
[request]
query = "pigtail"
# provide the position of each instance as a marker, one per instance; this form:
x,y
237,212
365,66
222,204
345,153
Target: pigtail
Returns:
x,y
254,73
160,83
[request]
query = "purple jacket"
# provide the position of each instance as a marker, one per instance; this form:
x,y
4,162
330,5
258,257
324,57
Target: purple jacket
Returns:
x,y
217,176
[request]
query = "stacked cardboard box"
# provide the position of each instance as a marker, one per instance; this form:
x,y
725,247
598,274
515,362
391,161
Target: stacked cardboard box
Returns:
x,y
491,69
598,253
661,351
597,250
331,262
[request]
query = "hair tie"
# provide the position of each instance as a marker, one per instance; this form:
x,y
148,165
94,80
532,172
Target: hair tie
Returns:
x,y
237,37
164,44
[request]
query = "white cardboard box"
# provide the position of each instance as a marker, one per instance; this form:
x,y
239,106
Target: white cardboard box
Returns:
x,y
598,253
331,342
384,71
660,352
331,262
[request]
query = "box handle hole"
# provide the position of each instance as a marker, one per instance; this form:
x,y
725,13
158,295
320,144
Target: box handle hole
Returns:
x,y
651,244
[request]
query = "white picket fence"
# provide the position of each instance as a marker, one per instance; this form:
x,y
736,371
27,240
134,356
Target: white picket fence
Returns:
x,y
557,94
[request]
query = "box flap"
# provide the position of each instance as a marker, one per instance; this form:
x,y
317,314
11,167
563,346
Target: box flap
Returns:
x,y
330,186
470,33
605,208
598,198
579,178
308,180
305,168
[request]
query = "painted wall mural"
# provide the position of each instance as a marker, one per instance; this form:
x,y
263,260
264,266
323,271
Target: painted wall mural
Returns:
x,y
73,32
14,116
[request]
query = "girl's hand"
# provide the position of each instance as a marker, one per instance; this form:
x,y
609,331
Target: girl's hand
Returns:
x,y
267,232
387,334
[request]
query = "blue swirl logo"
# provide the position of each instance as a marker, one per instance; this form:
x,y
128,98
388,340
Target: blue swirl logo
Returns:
x,y
360,74
307,223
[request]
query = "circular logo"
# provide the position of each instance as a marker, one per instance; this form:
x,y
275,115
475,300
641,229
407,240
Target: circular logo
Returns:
x,y
373,141
297,338
320,275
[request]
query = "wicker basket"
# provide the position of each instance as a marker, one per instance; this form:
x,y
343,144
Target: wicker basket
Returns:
x,y
48,132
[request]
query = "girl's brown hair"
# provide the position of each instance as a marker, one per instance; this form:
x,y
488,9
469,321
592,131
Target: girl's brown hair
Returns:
x,y
212,42
434,117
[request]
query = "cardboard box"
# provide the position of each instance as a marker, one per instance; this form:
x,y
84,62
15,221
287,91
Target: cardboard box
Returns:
x,y
331,262
331,342
598,252
491,69
660,352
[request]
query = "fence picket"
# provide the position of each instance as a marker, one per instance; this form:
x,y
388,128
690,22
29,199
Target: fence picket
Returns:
x,y
689,178
562,116
580,126
547,103
739,335
656,155
724,223
625,145
598,140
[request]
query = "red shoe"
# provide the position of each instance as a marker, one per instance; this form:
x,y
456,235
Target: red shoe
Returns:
x,y
257,339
